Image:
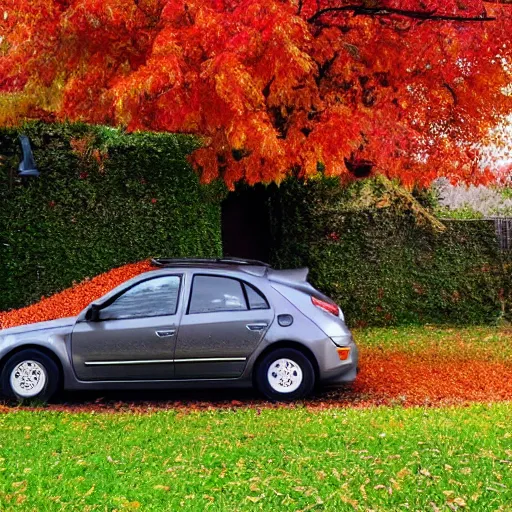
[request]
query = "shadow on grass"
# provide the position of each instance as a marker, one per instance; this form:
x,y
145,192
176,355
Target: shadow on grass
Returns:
x,y
197,399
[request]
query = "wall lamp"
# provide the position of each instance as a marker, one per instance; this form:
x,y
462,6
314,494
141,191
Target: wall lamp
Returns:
x,y
27,167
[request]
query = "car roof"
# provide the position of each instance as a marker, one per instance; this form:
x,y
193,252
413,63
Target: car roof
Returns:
x,y
248,266
253,267
199,262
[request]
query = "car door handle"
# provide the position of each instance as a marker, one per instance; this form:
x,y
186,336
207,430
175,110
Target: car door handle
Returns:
x,y
256,327
166,334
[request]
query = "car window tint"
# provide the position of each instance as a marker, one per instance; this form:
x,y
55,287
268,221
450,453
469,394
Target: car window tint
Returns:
x,y
155,297
212,293
255,298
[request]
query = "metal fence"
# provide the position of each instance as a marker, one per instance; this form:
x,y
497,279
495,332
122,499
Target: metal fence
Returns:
x,y
503,226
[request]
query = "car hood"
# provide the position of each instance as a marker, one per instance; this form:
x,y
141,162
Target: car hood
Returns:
x,y
61,326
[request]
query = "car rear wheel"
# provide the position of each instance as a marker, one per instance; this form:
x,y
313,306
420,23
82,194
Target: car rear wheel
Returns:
x,y
285,374
30,375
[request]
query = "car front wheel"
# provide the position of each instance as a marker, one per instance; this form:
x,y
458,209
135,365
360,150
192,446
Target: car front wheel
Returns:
x,y
285,375
30,375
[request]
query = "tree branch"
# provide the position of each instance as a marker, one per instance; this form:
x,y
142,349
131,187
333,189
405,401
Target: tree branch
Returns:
x,y
387,11
452,92
153,17
324,68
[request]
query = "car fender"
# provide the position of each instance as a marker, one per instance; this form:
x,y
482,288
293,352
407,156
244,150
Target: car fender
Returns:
x,y
55,343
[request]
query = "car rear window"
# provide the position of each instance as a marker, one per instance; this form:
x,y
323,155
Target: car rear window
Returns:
x,y
255,298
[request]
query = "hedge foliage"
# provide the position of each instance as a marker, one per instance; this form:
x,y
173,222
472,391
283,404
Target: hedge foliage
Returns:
x,y
104,198
383,262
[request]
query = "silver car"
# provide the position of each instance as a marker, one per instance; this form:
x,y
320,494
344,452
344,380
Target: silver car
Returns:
x,y
188,323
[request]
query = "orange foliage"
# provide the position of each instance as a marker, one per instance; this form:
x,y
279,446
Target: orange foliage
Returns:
x,y
73,300
426,377
406,86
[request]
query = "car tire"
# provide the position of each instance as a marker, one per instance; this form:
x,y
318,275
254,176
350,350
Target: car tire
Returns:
x,y
30,375
285,375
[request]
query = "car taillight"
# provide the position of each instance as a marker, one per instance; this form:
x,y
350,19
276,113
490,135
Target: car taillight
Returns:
x,y
326,306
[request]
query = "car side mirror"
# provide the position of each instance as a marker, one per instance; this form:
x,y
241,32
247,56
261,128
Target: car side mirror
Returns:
x,y
93,313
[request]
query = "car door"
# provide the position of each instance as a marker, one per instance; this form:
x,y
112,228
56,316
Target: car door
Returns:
x,y
135,335
225,321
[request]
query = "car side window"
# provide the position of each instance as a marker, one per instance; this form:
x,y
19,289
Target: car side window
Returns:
x,y
255,298
154,297
215,293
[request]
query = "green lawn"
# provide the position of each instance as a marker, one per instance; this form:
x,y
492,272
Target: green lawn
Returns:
x,y
250,459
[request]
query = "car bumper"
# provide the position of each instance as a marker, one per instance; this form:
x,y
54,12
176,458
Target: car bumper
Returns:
x,y
341,372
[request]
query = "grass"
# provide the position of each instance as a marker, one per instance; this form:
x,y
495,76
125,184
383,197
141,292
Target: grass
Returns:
x,y
260,458
249,459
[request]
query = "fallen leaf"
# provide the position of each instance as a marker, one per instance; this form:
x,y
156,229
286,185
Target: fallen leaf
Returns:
x,y
89,492
161,487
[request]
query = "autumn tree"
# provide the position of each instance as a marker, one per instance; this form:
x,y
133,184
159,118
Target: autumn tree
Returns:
x,y
406,88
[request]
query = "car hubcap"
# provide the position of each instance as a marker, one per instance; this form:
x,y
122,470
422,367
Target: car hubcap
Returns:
x,y
28,379
284,376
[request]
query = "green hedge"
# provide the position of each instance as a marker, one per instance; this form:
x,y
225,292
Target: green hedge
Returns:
x,y
106,198
385,266
103,199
